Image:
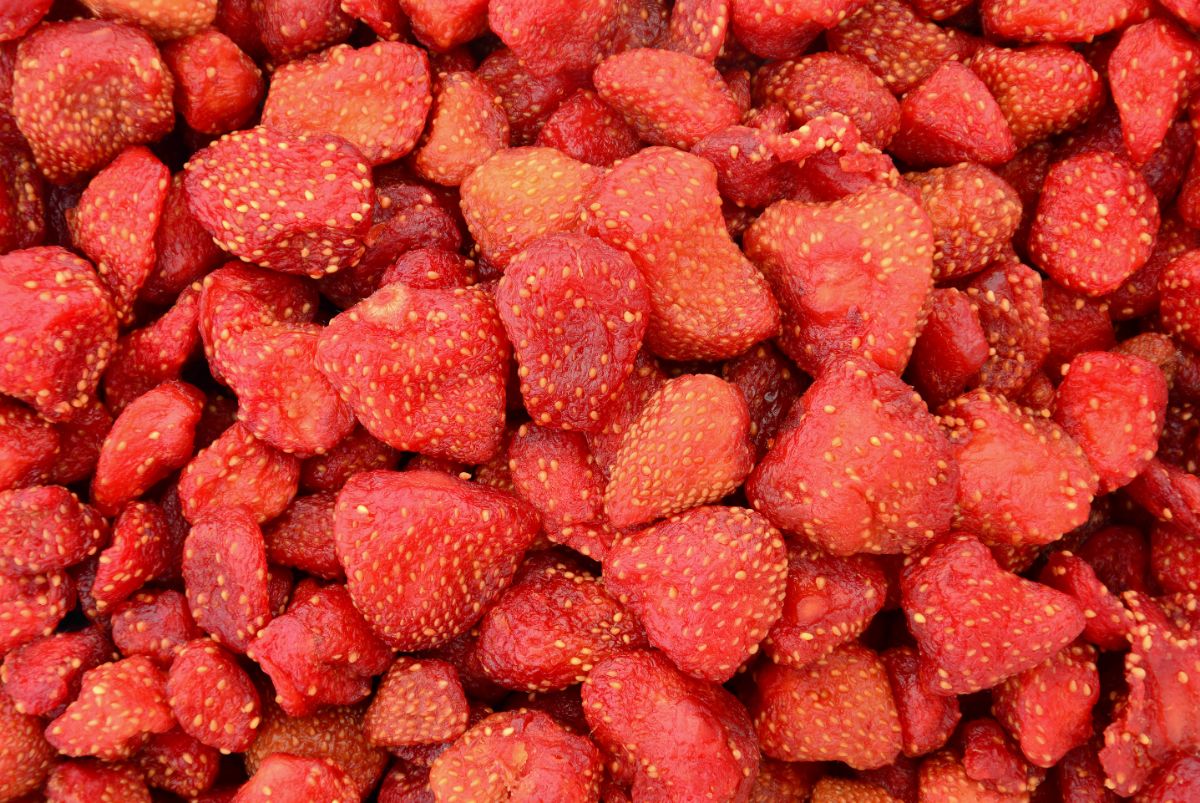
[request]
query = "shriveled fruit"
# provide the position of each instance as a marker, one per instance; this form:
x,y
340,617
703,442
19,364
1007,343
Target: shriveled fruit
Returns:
x,y
45,528
237,469
225,574
212,697
218,87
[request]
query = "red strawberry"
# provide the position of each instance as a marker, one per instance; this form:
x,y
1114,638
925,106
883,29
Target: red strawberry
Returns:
x,y
556,35
466,127
184,250
431,269
225,574
169,22
951,350
770,384
1008,299
1113,406
177,763
31,607
154,624
405,783
284,778
423,370
927,719
990,758
60,328
15,21
528,100
22,197
26,757
553,471
143,550
358,451
85,780
321,180
668,98
41,677
1139,295
838,708
1057,20
85,90
588,130
212,697
698,28
1078,324
384,17
1169,494
1178,288
293,28
151,438
29,446
302,536
1108,621
419,701
443,24
1095,223
708,752
375,98
154,354
218,87
662,207
1048,708
1006,624
777,31
1178,779
421,593
236,470
45,528
865,469
1174,556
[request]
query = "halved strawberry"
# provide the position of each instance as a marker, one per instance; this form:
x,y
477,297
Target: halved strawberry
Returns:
x,y
153,354
143,549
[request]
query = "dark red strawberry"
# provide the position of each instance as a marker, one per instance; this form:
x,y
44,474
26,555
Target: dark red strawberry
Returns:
x,y
443,24
154,624
225,574
1174,556
990,758
1168,493
22,196
218,87
927,719
285,778
212,697
557,35
26,758
154,354
41,677
951,350
238,470
184,250
1139,295
30,446
384,17
588,130
177,763
302,536
1078,324
358,451
1177,779
1179,297
528,99
419,701
1008,300
467,125
143,549
770,384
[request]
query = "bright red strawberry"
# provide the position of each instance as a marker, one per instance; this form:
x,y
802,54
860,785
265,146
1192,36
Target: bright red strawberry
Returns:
x,y
417,593
44,528
698,28
865,469
1095,223
443,24
709,751
218,87
1004,623
177,763
25,757
375,98
238,470
358,451
154,623
60,329
41,677
951,350
225,574
30,446
119,705
927,719
143,549
151,438
1042,90
554,472
668,98
321,180
213,698
1180,297
160,21
688,446
290,29
952,117
1008,300
784,31
17,18
419,701
466,127
575,311
424,370
1048,709
284,778
838,708
1057,20
302,536
85,90
31,607
321,652
153,354
706,299
1113,406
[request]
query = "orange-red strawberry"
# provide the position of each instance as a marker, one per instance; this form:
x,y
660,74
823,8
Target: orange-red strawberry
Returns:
x,y
466,127
238,469
784,30
707,301
426,553
217,86
688,446
315,191
225,575
41,677
162,21
1108,620
84,90
419,701
212,697
1057,20
44,528
376,98
286,778
926,719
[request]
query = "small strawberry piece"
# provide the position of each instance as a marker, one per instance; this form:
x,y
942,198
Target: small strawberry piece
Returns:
x,y
442,25
1081,778
405,783
321,180
44,675
770,384
1179,287
528,100
689,446
784,31
1177,779
990,757
1174,555
1095,223
321,652
588,130
553,471
431,269
225,575
16,19
22,195
44,528
698,28
417,589
838,708
293,28
1057,20
177,763
1008,624
184,250
466,127
496,199
575,311
859,308
375,98
1139,295
213,698
358,451
119,705
952,117
154,354
162,21
424,370
151,438
951,350
864,469
668,98
60,329
302,536
154,624
143,549
926,719
830,601
29,446
25,755
1169,494
238,470
707,301
87,780
1078,324
1048,709
1113,406
1008,298
419,701
333,734
1022,479
384,17
283,778
31,607
85,90
218,87
1119,555
709,750
848,790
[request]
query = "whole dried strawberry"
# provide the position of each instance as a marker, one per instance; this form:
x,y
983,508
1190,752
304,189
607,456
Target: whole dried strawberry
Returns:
x,y
218,87
213,698
44,528
1048,709
284,778
419,701
467,125
43,676
26,757
225,574
237,469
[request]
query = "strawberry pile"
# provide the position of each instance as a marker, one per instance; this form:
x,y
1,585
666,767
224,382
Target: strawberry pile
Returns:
x,y
599,401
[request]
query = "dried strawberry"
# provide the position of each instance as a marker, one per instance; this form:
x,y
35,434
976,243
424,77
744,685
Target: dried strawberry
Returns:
x,y
293,28
25,757
711,749
31,607
151,438
770,384
588,130
29,446
284,778
951,117
22,198
169,22
436,361
384,17
225,575
218,87
838,708
405,782
553,471
358,451
1139,295
698,28
238,470
154,624
466,127
41,677
177,763
422,604
785,31
302,536
556,35
443,24
86,780
662,207
990,758
1008,300
143,549
528,100
419,701
153,354
926,719
1174,555
45,528
1169,494
1179,299
212,697
375,98
85,90
320,179
16,19
958,580
1078,324
951,350
184,250
431,269
886,486
1057,20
